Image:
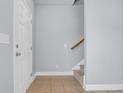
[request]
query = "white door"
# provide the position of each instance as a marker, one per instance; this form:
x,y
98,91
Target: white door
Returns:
x,y
27,46
22,47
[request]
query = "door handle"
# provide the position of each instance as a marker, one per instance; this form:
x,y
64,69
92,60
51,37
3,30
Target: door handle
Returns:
x,y
18,54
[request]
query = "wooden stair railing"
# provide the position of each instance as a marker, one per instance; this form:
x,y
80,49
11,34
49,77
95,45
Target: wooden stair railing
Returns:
x,y
77,44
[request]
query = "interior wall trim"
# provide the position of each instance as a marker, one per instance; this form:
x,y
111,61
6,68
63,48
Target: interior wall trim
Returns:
x,y
53,73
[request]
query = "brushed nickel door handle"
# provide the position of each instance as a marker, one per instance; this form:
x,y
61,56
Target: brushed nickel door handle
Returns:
x,y
18,54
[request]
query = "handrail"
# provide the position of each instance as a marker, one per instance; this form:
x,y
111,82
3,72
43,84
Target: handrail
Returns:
x,y
77,44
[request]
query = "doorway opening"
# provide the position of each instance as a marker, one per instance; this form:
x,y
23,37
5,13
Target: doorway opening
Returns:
x,y
59,43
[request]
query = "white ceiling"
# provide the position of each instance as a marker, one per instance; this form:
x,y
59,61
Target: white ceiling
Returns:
x,y
54,2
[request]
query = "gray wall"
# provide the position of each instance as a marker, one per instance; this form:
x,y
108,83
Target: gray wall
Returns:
x,y
54,27
6,54
103,30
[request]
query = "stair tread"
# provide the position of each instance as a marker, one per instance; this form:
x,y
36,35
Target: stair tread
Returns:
x,y
79,72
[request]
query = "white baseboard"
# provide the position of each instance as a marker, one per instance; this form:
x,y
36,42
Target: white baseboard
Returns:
x,y
103,87
53,73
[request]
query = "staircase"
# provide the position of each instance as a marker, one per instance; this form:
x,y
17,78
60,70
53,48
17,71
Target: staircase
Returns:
x,y
79,74
78,71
